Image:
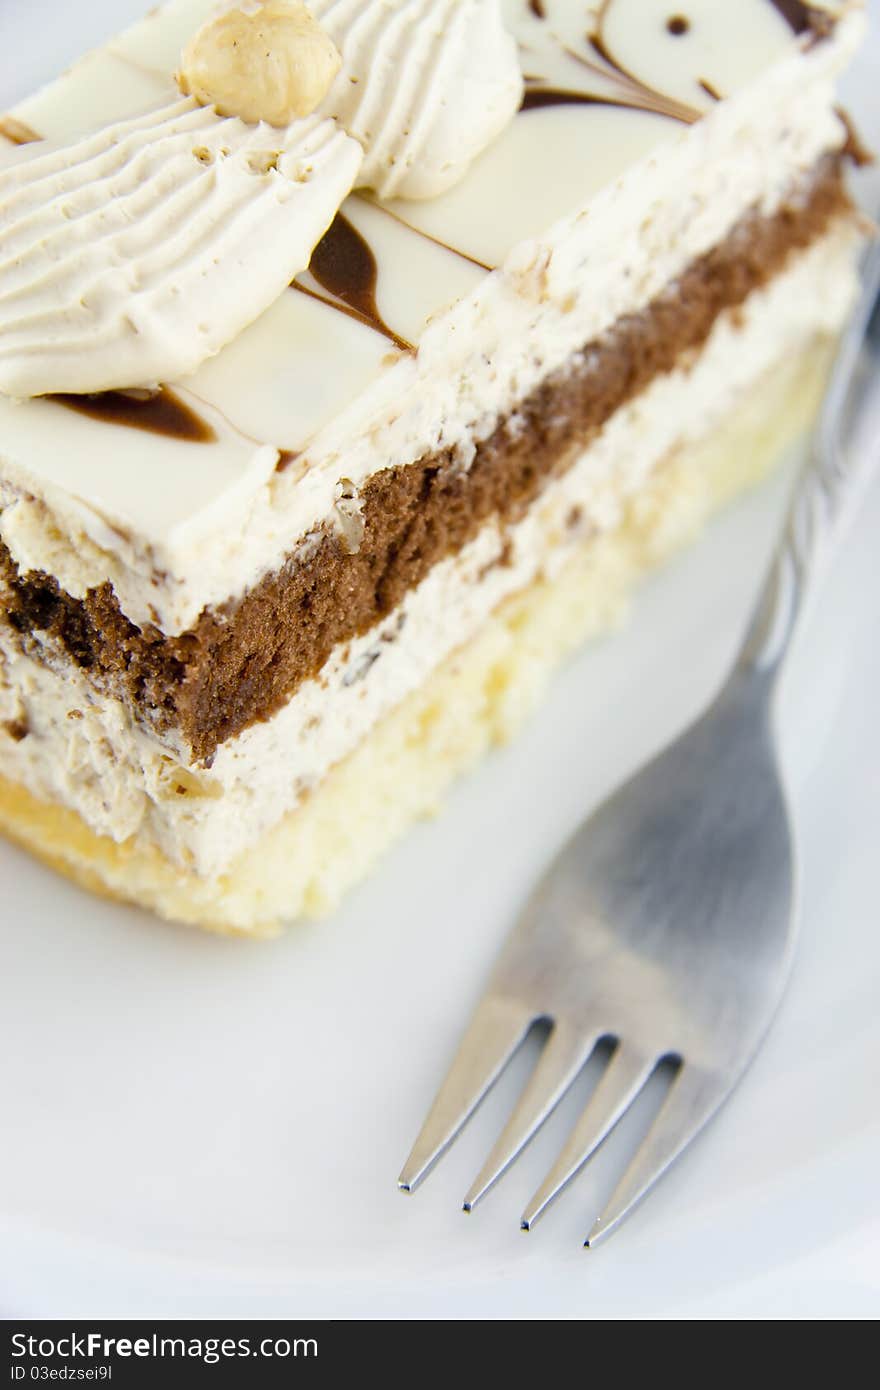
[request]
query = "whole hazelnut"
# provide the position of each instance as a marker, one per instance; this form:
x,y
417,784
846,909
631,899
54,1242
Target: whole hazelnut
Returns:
x,y
269,62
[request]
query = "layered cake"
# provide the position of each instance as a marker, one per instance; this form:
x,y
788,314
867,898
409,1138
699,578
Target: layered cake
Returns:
x,y
355,360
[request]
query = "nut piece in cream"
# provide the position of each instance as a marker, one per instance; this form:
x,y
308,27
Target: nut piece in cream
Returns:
x,y
272,62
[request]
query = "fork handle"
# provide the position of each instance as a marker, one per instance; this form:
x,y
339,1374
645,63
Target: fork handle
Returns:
x,y
820,493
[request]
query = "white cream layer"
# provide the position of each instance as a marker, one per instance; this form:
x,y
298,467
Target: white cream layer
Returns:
x,y
82,750
591,209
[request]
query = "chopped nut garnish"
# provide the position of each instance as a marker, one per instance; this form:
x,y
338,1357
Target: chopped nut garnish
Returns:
x,y
272,63
349,515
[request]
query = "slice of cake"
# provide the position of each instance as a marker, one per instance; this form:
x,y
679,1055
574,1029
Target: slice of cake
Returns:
x,y
257,617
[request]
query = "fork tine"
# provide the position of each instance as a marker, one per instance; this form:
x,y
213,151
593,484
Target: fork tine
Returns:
x,y
693,1098
618,1087
495,1031
564,1053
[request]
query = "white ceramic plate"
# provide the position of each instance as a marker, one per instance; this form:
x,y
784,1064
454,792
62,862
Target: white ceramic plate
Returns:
x,y
198,1127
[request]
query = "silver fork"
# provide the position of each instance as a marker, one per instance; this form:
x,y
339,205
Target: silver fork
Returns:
x,y
667,923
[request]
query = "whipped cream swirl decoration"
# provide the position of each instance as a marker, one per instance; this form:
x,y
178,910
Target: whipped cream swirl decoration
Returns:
x,y
425,86
123,257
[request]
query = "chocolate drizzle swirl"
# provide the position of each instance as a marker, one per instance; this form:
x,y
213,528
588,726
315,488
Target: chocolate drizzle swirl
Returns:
x,y
634,94
628,91
344,265
637,94
536,97
809,20
426,236
796,14
157,412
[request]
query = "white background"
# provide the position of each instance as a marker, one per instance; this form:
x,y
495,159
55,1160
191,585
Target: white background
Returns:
x,y
199,1127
